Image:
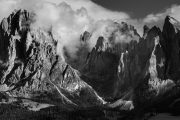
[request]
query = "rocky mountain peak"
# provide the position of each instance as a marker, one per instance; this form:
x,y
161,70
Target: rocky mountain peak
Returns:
x,y
126,28
30,64
171,24
85,37
146,29
101,44
171,46
16,21
172,20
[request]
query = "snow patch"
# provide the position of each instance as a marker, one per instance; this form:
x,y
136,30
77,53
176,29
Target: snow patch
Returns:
x,y
34,106
122,104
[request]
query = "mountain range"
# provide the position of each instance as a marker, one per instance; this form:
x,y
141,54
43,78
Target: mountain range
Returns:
x,y
126,78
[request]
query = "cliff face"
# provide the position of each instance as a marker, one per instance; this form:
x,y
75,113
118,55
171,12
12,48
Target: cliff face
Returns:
x,y
31,67
141,69
171,47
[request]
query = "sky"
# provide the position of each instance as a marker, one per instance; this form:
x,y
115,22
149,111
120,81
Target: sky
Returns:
x,y
149,12
68,19
137,8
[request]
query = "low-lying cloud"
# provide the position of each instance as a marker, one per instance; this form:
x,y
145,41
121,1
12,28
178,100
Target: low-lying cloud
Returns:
x,y
69,19
65,24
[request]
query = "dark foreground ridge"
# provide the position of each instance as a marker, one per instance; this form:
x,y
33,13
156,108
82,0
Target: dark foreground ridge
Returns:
x,y
124,80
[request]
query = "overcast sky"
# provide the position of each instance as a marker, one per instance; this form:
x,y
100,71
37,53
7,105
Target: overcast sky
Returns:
x,y
70,18
138,8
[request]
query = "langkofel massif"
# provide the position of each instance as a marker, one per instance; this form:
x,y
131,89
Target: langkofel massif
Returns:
x,y
120,80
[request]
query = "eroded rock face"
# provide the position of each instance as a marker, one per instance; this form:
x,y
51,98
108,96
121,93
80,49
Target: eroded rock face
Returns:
x,y
32,68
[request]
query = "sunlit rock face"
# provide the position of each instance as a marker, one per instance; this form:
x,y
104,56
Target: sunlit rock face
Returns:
x,y
31,67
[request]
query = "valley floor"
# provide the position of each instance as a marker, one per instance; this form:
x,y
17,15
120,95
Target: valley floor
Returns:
x,y
164,116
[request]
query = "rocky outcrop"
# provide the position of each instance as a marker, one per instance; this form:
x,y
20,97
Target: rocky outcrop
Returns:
x,y
32,68
146,29
85,37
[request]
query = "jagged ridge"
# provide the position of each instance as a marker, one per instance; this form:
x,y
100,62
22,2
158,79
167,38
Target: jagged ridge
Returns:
x,y
123,73
31,67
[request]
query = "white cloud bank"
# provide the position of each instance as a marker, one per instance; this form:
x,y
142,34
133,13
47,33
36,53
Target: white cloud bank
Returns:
x,y
68,19
71,18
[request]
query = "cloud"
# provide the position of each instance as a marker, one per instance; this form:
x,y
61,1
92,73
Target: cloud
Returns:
x,y
6,8
69,19
97,12
155,19
158,19
67,25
